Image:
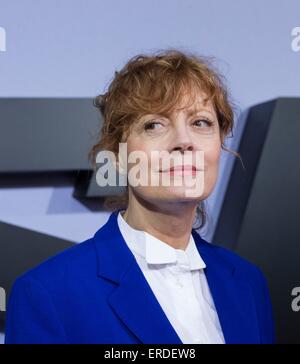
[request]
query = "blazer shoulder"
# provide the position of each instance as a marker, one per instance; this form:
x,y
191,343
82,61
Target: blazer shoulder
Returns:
x,y
69,262
240,264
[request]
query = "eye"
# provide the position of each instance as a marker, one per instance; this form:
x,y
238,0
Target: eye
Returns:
x,y
151,125
208,122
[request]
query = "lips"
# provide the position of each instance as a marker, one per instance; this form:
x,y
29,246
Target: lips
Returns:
x,y
183,168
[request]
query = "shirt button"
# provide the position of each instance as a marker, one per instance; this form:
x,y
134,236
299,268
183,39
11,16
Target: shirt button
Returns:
x,y
179,283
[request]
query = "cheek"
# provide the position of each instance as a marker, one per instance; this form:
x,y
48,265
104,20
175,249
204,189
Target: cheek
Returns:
x,y
214,157
212,153
137,144
211,172
143,149
211,161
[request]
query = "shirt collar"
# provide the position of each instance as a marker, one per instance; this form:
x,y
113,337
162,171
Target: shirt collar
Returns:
x,y
155,251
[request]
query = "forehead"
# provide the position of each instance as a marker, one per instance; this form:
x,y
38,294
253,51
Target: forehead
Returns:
x,y
192,102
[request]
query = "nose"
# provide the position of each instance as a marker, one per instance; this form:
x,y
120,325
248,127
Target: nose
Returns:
x,y
182,140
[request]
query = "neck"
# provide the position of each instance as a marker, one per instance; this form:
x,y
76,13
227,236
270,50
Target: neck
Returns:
x,y
170,222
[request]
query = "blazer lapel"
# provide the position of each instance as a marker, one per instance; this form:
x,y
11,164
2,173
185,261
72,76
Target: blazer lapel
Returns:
x,y
232,296
132,298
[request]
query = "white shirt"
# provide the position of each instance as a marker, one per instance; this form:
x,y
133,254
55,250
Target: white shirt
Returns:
x,y
178,281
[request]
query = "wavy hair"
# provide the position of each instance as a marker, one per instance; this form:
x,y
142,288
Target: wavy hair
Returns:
x,y
154,84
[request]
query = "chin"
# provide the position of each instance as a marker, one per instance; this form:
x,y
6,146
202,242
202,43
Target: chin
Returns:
x,y
176,195
184,191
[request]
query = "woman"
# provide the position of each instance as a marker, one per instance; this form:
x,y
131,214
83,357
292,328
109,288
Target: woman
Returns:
x,y
147,276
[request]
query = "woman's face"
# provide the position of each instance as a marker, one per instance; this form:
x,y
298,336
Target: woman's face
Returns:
x,y
192,133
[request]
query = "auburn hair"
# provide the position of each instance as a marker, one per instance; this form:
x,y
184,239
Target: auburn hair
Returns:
x,y
154,84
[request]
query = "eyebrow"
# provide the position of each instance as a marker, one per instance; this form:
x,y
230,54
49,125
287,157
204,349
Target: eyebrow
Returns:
x,y
197,110
189,112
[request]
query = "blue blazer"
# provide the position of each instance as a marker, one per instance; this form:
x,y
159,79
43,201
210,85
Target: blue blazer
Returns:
x,y
95,292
